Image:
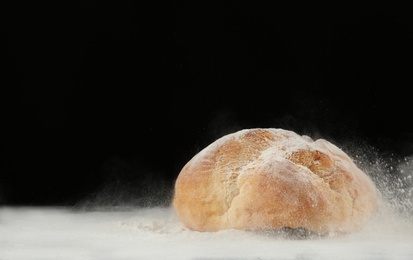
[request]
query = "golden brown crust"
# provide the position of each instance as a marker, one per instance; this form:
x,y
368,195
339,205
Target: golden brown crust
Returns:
x,y
271,179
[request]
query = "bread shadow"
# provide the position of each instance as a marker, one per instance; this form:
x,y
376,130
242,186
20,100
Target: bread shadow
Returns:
x,y
294,233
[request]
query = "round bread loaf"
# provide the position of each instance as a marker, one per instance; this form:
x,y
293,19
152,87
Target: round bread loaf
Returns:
x,y
271,178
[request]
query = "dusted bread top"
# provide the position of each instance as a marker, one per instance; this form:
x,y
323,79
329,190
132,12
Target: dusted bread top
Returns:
x,y
271,178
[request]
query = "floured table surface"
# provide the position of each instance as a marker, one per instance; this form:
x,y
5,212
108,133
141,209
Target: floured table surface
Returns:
x,y
157,233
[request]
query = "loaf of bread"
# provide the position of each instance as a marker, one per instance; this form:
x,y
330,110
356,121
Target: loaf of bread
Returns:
x,y
269,179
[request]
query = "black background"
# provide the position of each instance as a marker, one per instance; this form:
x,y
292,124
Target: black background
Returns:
x,y
105,102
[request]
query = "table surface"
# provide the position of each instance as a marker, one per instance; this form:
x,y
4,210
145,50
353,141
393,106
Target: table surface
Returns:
x,y
157,233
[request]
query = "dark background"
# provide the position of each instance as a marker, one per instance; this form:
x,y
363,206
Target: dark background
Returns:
x,y
103,103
